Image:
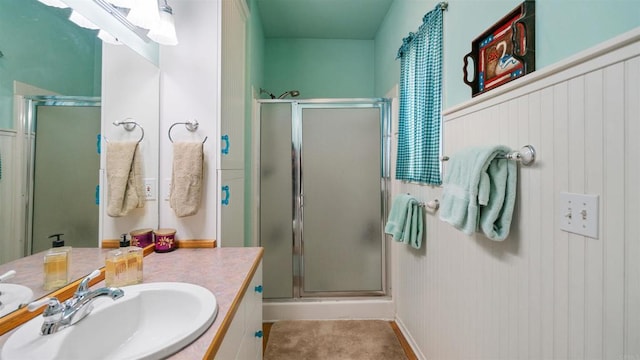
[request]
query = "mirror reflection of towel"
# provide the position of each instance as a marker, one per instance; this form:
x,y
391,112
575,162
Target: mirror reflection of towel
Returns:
x,y
186,178
124,178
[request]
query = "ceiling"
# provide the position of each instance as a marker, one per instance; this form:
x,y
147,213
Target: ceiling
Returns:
x,y
322,19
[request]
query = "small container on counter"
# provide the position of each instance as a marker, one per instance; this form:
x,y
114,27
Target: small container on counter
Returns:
x,y
165,240
141,237
123,266
57,264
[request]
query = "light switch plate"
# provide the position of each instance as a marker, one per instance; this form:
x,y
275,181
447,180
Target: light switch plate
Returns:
x,y
150,189
579,214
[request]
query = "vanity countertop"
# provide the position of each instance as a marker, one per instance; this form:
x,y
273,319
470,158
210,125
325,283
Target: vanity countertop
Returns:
x,y
224,271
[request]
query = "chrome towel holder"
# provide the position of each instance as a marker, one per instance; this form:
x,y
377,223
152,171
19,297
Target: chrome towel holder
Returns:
x,y
526,156
190,125
128,124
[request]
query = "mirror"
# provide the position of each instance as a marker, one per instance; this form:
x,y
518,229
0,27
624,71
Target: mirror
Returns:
x,y
43,54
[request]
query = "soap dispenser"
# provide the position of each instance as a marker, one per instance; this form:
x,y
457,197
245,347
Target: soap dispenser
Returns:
x,y
123,266
57,264
134,256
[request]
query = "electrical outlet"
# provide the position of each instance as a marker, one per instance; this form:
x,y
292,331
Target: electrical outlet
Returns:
x,y
579,214
150,189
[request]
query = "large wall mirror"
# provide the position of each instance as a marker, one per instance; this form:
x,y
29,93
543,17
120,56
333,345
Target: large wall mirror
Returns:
x,y
61,90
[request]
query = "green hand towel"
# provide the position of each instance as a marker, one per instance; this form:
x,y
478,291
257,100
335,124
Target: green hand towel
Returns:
x,y
397,216
468,187
495,217
417,224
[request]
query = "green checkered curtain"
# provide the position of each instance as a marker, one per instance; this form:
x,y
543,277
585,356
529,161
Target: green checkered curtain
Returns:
x,y
421,102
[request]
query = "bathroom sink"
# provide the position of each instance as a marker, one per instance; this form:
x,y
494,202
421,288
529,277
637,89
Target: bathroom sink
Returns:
x,y
151,321
12,296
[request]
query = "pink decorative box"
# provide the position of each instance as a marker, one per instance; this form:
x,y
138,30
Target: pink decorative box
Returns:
x,y
165,240
141,237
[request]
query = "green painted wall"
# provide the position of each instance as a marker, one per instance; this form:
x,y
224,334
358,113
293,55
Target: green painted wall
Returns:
x,y
563,28
319,68
42,48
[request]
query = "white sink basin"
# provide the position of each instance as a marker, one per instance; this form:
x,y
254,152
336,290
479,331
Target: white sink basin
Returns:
x,y
12,296
151,321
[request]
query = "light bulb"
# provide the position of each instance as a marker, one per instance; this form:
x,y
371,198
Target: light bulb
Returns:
x,y
82,21
144,13
165,31
54,3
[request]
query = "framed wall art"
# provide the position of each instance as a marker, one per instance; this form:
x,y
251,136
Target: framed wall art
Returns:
x,y
504,52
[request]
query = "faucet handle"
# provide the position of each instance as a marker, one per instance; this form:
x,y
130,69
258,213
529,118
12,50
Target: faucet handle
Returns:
x,y
84,284
8,275
53,307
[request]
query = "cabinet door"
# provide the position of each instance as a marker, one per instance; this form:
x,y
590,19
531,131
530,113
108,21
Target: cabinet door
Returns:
x,y
243,340
232,105
231,229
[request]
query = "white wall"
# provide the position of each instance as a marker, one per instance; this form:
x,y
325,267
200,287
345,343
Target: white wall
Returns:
x,y
130,89
542,293
190,90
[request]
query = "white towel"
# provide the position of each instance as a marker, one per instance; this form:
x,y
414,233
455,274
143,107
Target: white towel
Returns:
x,y
124,178
186,178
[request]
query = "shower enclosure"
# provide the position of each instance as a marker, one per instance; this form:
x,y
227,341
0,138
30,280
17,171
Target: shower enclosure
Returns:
x,y
62,170
323,177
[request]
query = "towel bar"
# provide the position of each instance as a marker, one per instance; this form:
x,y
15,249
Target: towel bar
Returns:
x,y
431,205
526,155
190,125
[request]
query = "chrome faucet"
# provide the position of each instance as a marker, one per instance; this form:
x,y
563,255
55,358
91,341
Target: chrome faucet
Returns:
x,y
58,316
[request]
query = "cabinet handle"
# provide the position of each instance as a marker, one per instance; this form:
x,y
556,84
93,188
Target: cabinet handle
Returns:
x,y
225,149
227,195
258,289
258,334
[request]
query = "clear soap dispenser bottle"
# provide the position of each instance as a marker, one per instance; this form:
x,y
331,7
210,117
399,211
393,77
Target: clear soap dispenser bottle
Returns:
x,y
57,264
134,257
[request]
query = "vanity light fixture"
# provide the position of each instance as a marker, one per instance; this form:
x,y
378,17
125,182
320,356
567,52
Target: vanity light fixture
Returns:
x,y
144,13
164,32
54,3
108,38
82,21
127,4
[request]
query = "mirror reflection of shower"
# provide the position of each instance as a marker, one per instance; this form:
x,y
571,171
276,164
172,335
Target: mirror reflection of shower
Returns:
x,y
292,93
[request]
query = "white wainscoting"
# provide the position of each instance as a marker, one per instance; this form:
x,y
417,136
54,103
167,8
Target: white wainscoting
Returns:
x,y
10,246
543,293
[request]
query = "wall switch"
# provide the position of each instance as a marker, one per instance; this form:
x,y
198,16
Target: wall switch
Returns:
x,y
150,189
579,214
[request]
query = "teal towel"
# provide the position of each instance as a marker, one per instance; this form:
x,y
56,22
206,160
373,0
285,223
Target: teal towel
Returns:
x,y
479,191
413,227
398,216
495,217
405,221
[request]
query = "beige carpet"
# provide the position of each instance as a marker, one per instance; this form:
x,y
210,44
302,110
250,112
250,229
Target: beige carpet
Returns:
x,y
333,340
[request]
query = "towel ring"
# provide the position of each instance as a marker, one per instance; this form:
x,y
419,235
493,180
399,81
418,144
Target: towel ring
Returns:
x,y
190,125
129,126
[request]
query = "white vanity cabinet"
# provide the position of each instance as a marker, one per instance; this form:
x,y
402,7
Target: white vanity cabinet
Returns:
x,y
243,340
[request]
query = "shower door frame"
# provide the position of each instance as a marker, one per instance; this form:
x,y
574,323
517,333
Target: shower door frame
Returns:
x,y
28,127
297,106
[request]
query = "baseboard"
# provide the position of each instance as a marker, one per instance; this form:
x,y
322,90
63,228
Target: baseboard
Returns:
x,y
409,339
379,309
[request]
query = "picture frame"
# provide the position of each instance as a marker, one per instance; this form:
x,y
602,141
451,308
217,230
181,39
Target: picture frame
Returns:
x,y
504,52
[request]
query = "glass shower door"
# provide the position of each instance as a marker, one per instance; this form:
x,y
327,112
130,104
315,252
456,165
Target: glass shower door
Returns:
x,y
276,199
342,248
